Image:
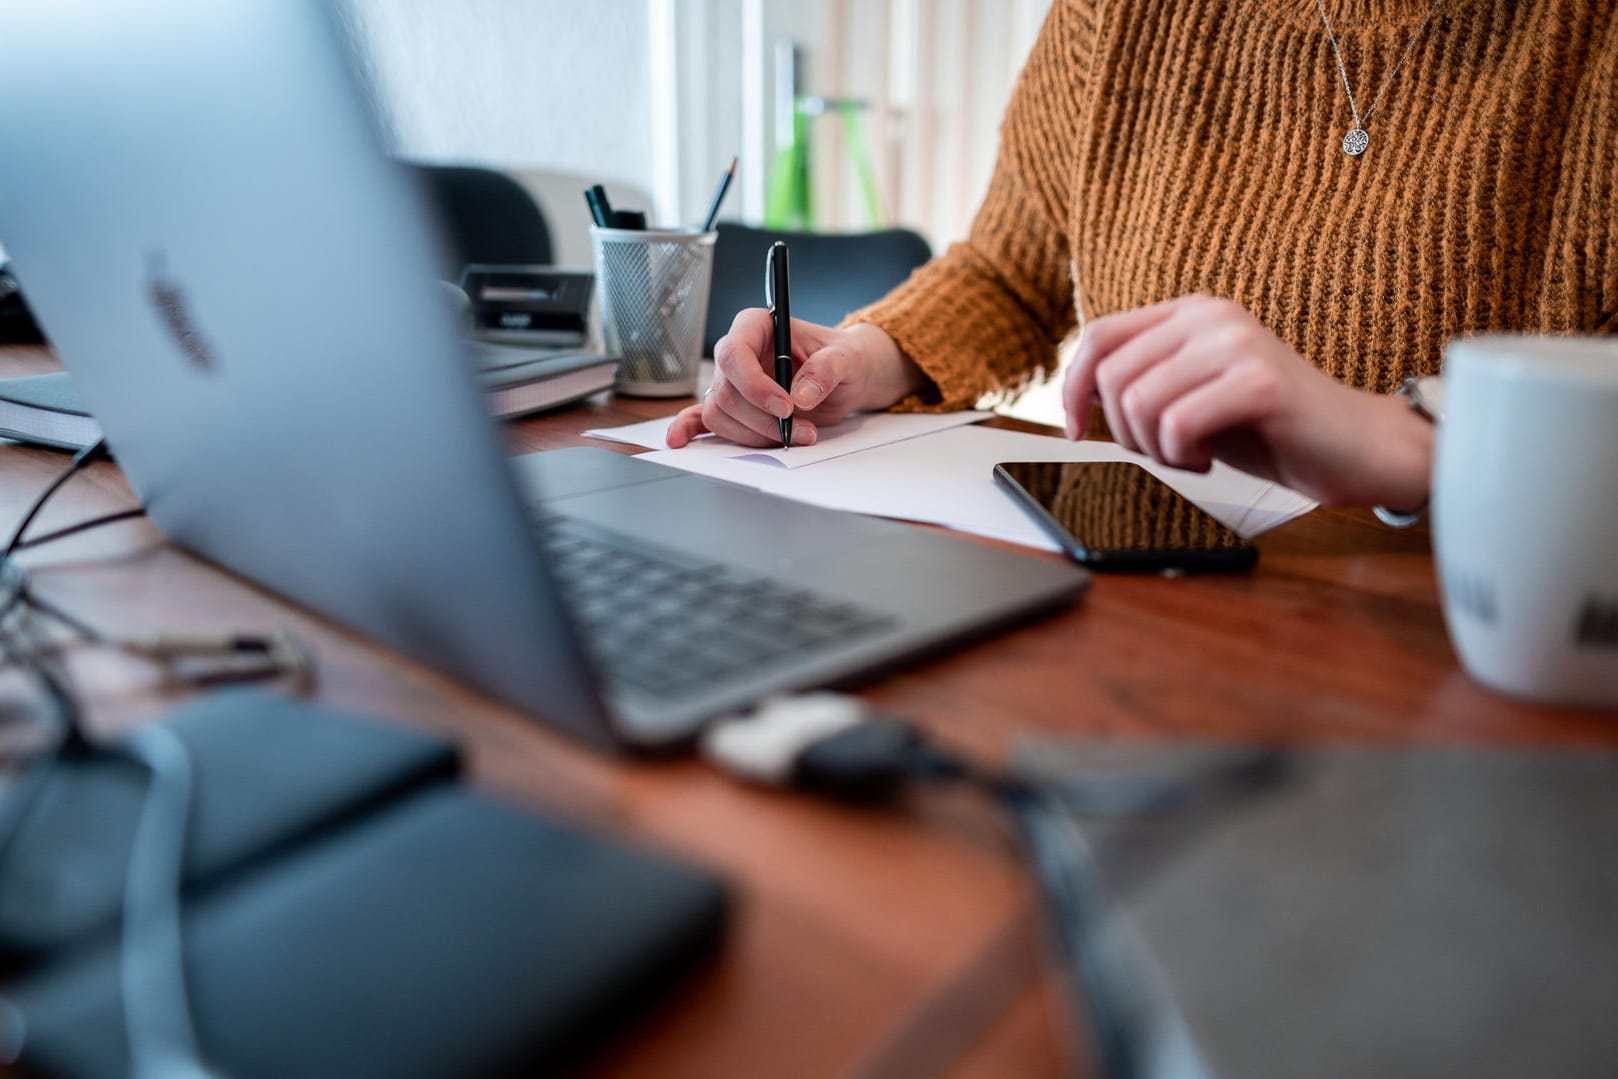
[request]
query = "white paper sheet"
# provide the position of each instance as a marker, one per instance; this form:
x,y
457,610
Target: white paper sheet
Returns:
x,y
946,478
859,432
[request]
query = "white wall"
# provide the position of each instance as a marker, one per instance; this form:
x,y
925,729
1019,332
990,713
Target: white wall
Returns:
x,y
702,103
562,84
660,94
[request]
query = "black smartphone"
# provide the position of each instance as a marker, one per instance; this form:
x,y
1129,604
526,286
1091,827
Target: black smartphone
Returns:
x,y
1112,515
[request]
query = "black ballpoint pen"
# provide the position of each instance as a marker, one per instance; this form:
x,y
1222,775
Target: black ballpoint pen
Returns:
x,y
780,304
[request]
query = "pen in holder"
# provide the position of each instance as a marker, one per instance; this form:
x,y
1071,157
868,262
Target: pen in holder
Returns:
x,y
654,305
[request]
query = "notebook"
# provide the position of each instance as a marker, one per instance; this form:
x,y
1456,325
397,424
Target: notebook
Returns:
x,y
46,410
521,381
350,464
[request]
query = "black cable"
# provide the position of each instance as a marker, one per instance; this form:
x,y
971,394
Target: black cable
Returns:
x,y
73,622
834,747
19,593
1082,925
157,1014
80,459
33,657
22,646
70,737
21,798
878,758
81,526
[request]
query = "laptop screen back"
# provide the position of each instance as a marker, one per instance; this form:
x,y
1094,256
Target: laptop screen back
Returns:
x,y
198,203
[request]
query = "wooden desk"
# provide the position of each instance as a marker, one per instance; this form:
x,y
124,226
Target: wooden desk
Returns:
x,y
865,944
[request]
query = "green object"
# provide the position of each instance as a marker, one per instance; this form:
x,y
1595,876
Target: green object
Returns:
x,y
789,202
854,137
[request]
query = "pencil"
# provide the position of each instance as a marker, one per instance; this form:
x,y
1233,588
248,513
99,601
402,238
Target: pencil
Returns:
x,y
719,196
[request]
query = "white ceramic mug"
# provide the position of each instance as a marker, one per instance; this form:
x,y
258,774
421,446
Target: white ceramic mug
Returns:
x,y
1525,514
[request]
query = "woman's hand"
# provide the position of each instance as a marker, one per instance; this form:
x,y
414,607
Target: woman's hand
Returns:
x,y
837,372
1199,379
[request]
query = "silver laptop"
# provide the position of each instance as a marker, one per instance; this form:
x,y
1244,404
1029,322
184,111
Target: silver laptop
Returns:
x,y
201,212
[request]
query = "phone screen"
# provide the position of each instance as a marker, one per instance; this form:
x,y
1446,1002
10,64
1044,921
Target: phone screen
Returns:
x,y
1115,515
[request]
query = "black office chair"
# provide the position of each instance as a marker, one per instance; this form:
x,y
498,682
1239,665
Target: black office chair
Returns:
x,y
832,273
488,218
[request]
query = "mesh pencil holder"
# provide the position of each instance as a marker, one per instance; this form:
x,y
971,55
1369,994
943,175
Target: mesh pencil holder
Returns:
x,y
654,305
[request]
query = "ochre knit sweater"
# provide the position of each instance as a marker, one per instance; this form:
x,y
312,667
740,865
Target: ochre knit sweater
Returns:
x,y
1155,148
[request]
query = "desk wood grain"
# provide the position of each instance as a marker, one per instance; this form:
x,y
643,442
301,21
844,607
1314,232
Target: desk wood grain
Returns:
x,y
865,944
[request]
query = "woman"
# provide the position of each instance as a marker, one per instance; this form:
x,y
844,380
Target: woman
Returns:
x,y
1266,215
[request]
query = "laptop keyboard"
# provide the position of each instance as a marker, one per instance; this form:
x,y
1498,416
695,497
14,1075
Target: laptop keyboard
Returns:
x,y
658,621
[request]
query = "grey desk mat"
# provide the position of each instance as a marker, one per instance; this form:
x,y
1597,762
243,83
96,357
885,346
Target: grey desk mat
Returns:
x,y
1380,912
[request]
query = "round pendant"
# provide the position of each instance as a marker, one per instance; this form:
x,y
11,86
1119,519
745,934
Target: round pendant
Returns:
x,y
1355,142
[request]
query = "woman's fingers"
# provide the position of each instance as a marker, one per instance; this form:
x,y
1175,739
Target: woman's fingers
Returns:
x,y
1117,372
726,410
1101,338
728,427
1157,388
1216,409
822,373
710,416
685,426
740,358
835,372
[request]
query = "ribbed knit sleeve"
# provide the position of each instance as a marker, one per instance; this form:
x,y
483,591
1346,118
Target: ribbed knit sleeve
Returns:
x,y
987,315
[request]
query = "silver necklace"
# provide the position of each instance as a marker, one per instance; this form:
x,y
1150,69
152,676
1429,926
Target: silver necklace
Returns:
x,y
1355,142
